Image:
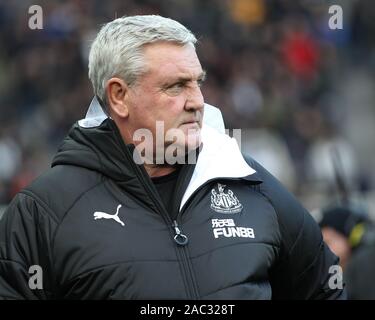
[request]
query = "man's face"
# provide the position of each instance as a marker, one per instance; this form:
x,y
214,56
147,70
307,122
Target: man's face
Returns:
x,y
168,92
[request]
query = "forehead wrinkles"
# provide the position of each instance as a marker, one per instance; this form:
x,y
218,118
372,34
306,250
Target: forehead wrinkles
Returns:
x,y
169,60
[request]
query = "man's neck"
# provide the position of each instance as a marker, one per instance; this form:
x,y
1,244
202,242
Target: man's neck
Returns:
x,y
158,170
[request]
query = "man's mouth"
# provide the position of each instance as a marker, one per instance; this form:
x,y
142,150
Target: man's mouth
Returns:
x,y
191,124
192,121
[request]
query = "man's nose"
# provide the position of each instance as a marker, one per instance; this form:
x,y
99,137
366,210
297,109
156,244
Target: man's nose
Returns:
x,y
194,100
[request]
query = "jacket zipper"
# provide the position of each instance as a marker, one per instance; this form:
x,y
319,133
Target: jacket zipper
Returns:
x,y
178,236
189,267
181,240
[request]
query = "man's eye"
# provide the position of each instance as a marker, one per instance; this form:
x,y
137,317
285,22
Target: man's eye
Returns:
x,y
200,82
175,88
178,85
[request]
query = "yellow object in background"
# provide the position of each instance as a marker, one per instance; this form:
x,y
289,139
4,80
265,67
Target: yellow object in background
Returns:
x,y
356,234
248,12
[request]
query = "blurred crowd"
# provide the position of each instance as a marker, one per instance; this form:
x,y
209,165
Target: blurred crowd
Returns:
x,y
296,88
302,93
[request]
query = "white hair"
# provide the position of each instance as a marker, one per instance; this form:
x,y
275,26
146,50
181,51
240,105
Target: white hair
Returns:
x,y
117,49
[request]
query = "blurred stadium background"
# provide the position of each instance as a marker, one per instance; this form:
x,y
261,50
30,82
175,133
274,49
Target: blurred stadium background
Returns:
x,y
296,88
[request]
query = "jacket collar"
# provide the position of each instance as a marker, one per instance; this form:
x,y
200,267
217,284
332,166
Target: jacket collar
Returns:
x,y
220,156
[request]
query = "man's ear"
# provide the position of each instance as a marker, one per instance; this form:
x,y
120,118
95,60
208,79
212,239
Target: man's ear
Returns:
x,y
117,91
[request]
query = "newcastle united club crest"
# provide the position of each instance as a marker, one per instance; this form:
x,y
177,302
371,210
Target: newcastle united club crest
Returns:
x,y
225,202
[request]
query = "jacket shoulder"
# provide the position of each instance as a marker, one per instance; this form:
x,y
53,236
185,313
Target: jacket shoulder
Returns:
x,y
302,269
60,186
290,212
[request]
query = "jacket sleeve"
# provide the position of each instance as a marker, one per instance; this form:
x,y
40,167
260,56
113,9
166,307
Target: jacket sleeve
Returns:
x,y
25,232
302,270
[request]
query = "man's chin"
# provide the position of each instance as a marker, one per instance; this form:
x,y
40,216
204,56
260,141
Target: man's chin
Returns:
x,y
193,140
178,152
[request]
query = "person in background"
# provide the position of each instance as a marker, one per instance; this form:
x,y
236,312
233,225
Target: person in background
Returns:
x,y
350,234
342,230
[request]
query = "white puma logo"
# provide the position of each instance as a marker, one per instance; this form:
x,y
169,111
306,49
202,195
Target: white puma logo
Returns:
x,y
101,215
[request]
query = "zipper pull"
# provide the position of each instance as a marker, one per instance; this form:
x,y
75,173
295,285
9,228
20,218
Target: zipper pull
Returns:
x,y
179,238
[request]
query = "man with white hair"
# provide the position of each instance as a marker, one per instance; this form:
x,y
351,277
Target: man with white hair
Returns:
x,y
147,198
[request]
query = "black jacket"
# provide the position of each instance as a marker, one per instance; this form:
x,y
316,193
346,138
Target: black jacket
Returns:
x,y
247,236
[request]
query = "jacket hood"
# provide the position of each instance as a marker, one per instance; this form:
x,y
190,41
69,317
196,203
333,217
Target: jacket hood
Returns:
x,y
95,143
96,148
